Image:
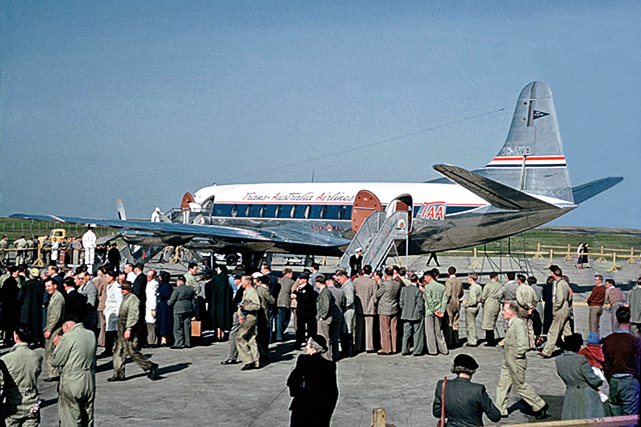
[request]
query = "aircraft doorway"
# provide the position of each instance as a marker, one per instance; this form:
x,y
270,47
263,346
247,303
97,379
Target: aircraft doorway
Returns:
x,y
402,203
365,203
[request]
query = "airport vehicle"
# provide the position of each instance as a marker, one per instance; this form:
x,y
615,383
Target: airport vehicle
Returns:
x,y
58,233
527,184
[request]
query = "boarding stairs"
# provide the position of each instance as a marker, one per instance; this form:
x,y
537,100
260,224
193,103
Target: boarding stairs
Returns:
x,y
377,235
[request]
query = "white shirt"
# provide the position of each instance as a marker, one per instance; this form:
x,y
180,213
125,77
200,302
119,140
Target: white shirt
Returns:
x,y
151,291
112,306
89,239
155,217
131,276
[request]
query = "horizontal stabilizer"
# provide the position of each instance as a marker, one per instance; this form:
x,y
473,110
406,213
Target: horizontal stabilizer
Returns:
x,y
499,195
584,192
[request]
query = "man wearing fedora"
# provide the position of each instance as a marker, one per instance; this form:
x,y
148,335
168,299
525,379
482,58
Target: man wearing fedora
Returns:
x,y
127,341
465,401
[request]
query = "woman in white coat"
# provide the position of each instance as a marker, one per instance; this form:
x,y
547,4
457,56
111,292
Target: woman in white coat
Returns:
x,y
151,292
112,306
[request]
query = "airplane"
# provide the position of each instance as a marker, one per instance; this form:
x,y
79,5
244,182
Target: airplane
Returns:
x,y
525,185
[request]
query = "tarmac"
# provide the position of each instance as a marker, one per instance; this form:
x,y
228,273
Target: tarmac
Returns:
x,y
194,389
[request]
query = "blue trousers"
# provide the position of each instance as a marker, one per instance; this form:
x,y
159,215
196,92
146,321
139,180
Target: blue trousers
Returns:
x,y
282,321
624,396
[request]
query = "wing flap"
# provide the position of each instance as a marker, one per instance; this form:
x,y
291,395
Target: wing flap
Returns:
x,y
499,195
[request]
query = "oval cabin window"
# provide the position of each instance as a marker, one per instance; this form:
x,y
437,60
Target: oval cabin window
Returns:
x,y
341,212
292,212
234,210
261,211
248,210
308,210
278,210
323,212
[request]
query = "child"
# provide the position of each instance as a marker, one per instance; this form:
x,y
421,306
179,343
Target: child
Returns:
x,y
594,353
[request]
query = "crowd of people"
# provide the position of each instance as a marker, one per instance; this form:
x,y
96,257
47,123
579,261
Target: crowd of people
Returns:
x,y
72,312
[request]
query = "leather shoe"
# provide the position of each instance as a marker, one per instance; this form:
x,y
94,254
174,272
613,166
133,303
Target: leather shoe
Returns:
x,y
542,413
153,372
51,379
112,379
405,354
248,367
176,347
229,362
383,353
545,356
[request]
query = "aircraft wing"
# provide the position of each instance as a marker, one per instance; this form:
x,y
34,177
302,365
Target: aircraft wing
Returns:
x,y
224,233
497,194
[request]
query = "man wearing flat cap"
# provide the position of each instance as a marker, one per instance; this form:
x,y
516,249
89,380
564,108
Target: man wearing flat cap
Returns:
x,y
127,342
465,401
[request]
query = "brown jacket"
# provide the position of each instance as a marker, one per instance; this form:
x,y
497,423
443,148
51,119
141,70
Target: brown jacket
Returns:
x,y
365,289
454,291
101,285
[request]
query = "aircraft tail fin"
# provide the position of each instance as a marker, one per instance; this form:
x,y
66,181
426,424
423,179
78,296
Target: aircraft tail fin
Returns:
x,y
584,192
121,210
532,157
497,194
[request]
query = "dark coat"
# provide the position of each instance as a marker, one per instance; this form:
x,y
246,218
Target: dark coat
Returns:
x,y
10,311
114,257
222,302
75,306
465,403
548,308
164,316
306,301
355,264
140,287
30,299
314,389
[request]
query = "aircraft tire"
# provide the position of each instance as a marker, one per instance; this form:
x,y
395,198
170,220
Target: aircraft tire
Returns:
x,y
231,259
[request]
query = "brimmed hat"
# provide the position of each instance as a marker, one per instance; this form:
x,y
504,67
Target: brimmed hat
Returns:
x,y
256,275
359,249
465,361
126,286
34,272
304,276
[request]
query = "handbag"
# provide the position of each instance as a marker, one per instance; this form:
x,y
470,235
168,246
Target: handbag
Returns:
x,y
441,422
195,328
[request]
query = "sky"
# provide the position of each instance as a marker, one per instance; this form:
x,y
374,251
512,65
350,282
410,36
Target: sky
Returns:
x,y
144,101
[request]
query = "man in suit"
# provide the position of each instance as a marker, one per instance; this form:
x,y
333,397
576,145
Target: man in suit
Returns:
x,y
514,365
435,305
615,298
337,316
634,298
412,308
75,355
127,341
30,300
182,300
472,307
55,316
365,290
561,312
76,303
326,309
454,292
349,312
22,366
465,401
356,262
387,295
284,303
139,286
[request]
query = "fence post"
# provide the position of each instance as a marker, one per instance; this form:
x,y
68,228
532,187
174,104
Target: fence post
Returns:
x,y
538,254
475,263
602,257
614,267
631,260
379,417
568,257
